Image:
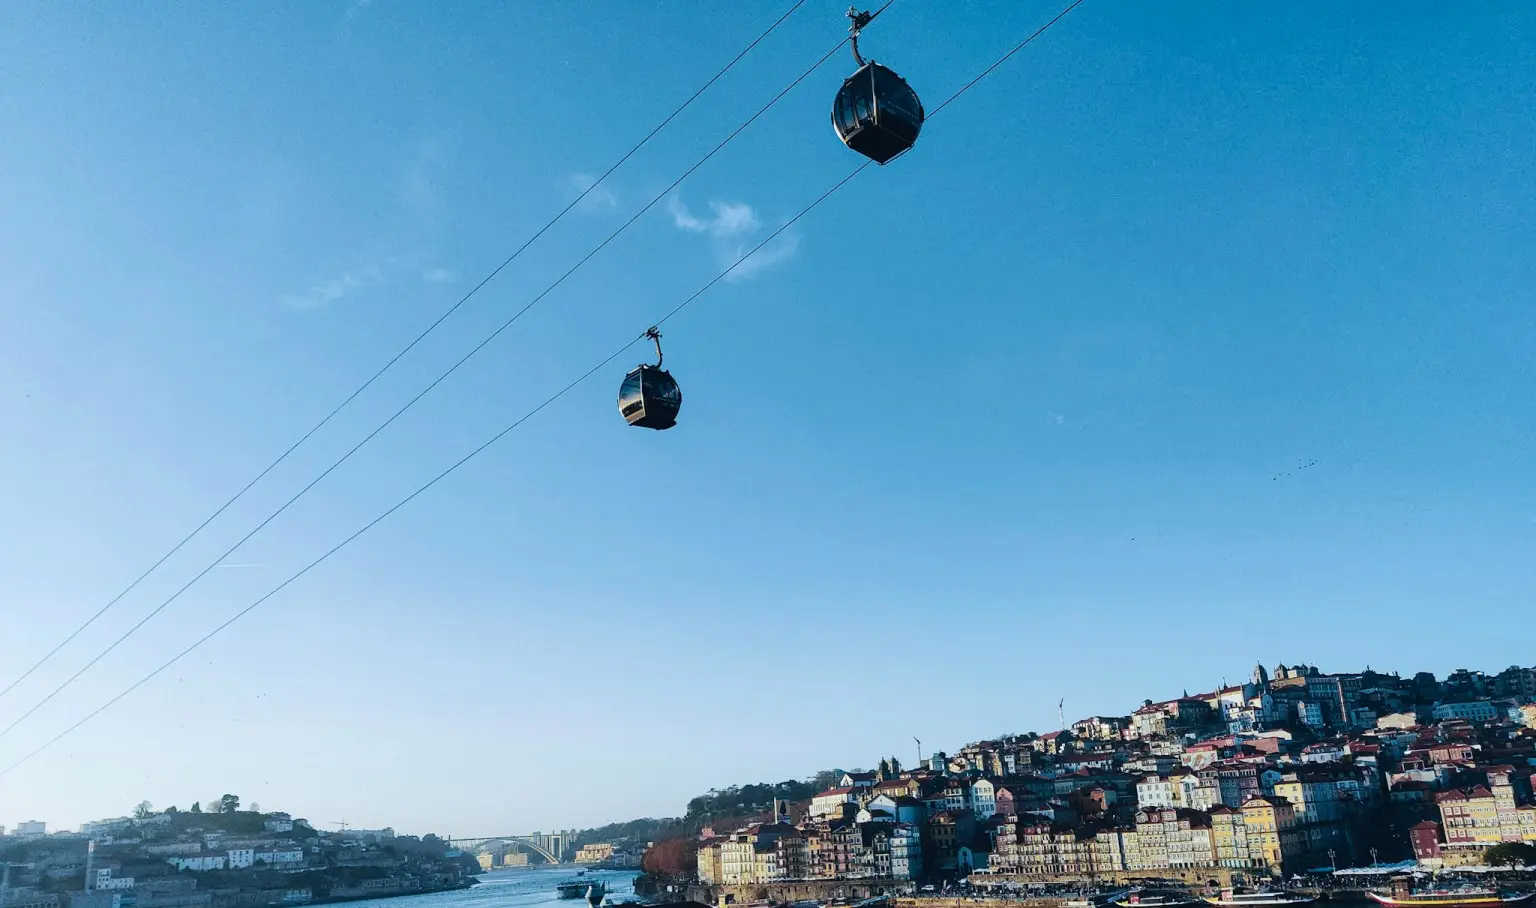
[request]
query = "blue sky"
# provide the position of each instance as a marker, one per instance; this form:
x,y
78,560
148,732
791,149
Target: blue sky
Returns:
x,y
1014,419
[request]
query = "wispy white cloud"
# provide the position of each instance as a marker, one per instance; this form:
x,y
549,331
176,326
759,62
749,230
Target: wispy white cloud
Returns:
x,y
734,230
323,293
782,248
390,268
729,218
599,197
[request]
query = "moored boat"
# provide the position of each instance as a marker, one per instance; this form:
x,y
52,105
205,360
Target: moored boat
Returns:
x,y
575,889
1262,899
1154,900
1450,898
1097,899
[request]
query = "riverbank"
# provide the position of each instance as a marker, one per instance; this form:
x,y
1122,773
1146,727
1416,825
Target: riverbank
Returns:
x,y
380,896
903,894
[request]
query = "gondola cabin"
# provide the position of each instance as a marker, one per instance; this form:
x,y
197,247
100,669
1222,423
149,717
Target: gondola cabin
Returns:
x,y
877,113
650,398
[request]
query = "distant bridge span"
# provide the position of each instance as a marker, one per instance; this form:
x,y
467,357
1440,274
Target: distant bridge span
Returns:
x,y
537,844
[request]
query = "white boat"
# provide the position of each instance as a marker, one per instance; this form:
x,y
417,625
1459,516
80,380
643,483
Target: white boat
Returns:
x,y
1263,899
1467,897
1097,900
1140,900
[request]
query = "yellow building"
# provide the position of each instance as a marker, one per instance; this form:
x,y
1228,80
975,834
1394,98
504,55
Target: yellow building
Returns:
x,y
595,853
1315,793
709,869
1229,837
1273,839
515,859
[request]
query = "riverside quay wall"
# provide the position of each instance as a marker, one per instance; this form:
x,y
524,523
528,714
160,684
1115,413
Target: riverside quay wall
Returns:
x,y
796,890
903,890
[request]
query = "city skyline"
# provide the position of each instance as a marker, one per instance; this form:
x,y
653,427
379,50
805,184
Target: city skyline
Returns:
x,y
379,818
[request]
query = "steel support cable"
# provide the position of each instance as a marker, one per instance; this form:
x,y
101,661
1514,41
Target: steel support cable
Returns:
x,y
520,420
408,347
424,392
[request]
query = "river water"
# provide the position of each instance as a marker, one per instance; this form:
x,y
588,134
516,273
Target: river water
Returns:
x,y
533,887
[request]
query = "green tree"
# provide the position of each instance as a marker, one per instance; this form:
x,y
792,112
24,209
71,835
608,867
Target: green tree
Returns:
x,y
1510,854
144,810
229,804
197,807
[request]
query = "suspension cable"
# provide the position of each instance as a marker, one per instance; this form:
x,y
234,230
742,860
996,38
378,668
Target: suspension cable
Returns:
x,y
525,417
408,347
414,400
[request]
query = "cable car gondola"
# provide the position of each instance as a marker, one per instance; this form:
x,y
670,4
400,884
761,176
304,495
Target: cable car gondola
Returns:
x,y
876,113
649,397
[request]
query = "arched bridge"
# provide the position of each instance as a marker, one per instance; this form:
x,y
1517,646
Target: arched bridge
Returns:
x,y
547,847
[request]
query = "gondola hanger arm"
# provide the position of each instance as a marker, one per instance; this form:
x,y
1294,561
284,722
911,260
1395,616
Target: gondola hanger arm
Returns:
x,y
655,335
858,21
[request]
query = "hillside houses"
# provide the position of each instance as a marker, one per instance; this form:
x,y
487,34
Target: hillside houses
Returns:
x,y
1294,769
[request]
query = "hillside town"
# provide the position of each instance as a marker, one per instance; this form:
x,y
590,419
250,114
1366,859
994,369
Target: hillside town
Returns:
x,y
222,857
1294,771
